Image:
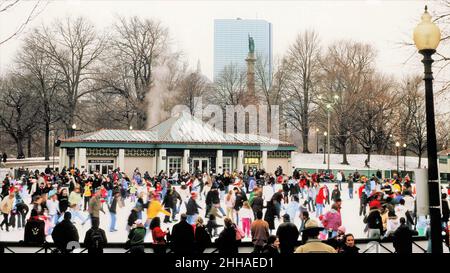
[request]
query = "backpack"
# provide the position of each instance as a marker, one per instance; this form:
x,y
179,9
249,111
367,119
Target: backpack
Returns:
x,y
96,239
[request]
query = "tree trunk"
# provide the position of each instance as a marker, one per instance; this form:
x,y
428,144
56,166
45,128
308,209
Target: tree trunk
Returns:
x,y
420,161
368,159
141,121
30,138
344,154
19,142
305,142
46,144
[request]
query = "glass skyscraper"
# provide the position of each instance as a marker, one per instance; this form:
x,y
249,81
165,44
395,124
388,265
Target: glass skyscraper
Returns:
x,y
231,42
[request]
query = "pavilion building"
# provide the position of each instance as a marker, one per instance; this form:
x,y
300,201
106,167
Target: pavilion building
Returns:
x,y
181,143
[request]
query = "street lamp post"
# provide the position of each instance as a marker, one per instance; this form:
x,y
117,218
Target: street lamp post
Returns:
x,y
328,137
404,157
72,132
324,138
317,140
397,145
426,38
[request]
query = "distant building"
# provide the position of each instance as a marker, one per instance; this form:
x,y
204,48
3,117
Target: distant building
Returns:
x,y
231,42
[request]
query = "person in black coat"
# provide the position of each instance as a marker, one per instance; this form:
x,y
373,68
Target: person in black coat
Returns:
x,y
34,230
374,223
95,239
192,208
402,239
238,203
269,217
65,232
272,246
182,237
63,199
335,194
134,215
202,236
227,243
287,234
349,246
445,218
170,203
257,203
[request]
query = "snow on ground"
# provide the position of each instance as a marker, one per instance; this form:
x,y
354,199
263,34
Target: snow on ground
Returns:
x,y
350,218
356,162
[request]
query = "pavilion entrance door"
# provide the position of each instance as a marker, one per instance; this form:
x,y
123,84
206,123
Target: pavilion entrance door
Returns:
x,y
200,165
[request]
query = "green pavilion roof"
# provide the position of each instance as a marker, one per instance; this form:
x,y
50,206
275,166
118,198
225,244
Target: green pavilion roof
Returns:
x,y
182,129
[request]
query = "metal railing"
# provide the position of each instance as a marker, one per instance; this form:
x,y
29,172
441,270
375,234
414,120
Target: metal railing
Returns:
x,y
47,247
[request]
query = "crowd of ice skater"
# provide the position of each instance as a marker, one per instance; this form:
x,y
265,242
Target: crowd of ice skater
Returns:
x,y
299,212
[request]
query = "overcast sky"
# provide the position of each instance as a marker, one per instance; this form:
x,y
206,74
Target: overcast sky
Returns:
x,y
381,23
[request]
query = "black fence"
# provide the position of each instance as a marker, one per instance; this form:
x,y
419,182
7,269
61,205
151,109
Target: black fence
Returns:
x,y
365,245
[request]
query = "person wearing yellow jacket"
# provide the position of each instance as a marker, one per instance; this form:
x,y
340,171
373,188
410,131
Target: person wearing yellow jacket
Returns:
x,y
154,207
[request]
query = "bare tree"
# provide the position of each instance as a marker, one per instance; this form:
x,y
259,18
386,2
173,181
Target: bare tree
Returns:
x,y
37,70
73,47
379,104
302,63
31,14
230,86
18,113
194,85
138,46
346,68
412,120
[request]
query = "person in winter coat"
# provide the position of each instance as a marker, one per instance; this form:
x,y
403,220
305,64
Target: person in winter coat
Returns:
x,y
374,223
320,200
95,239
192,208
65,232
336,193
159,236
246,215
202,236
260,232
182,237
392,224
212,222
362,200
287,234
445,210
272,246
134,215
257,203
332,220
95,206
239,202
230,200
136,238
170,203
293,207
113,211
5,207
269,216
154,207
34,230
349,246
227,243
313,244
402,239
63,198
